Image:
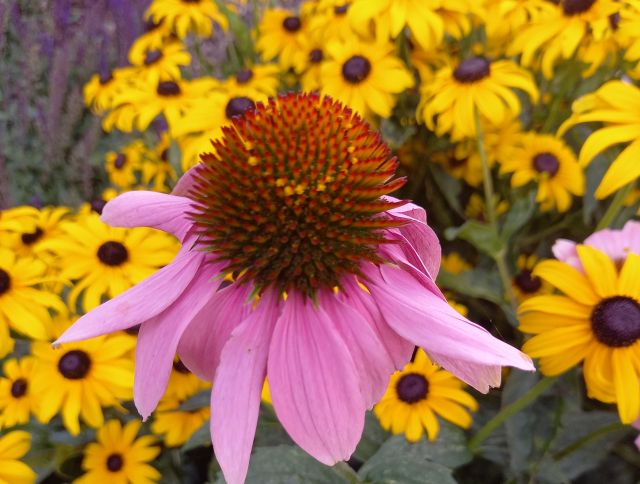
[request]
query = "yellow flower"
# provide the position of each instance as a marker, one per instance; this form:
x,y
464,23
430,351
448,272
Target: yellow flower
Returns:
x,y
106,261
366,76
283,34
161,63
157,171
156,34
329,20
101,89
596,321
419,393
550,163
617,104
253,82
558,34
454,263
23,307
13,219
123,166
79,379
184,16
447,104
475,208
17,399
13,446
525,284
118,457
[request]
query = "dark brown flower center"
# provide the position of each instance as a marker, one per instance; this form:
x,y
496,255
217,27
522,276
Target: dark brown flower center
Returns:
x,y
105,77
412,388
19,388
316,56
341,9
527,282
472,70
614,20
152,56
168,88
237,106
179,366
244,76
164,156
616,321
151,25
576,7
454,162
30,238
113,253
97,205
546,163
120,161
115,461
74,365
356,69
5,281
292,24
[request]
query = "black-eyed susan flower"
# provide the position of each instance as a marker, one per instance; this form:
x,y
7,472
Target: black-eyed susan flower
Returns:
x,y
525,284
448,103
79,379
617,105
24,307
595,321
161,63
253,82
475,207
123,166
12,219
366,76
418,394
157,171
310,79
156,34
282,34
105,261
102,88
329,20
454,263
119,457
184,16
14,446
547,161
17,399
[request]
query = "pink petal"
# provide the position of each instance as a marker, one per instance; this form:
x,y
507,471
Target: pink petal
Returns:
x,y
462,347
314,382
373,363
398,349
204,338
410,210
158,339
150,209
185,183
235,399
140,303
565,251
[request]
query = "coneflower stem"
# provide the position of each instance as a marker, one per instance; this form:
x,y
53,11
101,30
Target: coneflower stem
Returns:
x,y
615,206
490,211
509,411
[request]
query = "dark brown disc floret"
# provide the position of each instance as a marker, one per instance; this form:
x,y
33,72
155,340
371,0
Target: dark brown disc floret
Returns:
x,y
615,321
115,461
546,163
168,89
19,388
527,282
152,56
30,238
74,365
472,70
576,7
113,253
237,106
244,76
292,24
356,69
412,387
5,281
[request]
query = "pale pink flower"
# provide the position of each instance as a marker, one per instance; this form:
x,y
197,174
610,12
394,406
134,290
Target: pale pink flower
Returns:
x,y
293,202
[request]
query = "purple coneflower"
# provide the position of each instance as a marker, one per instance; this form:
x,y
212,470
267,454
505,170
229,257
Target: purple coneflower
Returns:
x,y
333,282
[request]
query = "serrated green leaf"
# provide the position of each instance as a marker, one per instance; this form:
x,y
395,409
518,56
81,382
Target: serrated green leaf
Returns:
x,y
480,235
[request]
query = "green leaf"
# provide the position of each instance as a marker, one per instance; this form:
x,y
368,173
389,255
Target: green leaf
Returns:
x,y
517,217
372,438
270,431
478,283
449,186
480,235
286,464
196,402
200,438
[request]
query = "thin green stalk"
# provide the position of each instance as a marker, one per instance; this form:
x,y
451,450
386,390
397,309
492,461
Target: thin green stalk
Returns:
x,y
587,439
509,411
615,206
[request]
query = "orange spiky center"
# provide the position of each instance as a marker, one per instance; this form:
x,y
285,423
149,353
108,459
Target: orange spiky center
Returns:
x,y
292,196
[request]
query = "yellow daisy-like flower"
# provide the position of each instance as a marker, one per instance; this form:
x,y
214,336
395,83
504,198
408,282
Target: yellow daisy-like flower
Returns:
x,y
13,446
329,20
157,172
101,89
629,31
454,263
525,284
475,208
253,82
390,17
617,104
366,76
420,392
160,64
184,16
174,425
13,219
79,379
558,34
448,102
106,261
284,35
311,77
119,457
123,166
23,307
550,163
156,34
459,162
595,321
182,383
17,399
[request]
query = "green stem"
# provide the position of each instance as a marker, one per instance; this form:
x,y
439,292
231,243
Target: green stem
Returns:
x,y
615,206
587,439
509,411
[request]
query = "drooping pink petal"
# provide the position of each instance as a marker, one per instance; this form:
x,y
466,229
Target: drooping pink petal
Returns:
x,y
235,398
462,347
159,336
140,303
373,363
565,251
398,349
150,209
314,382
208,332
185,183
